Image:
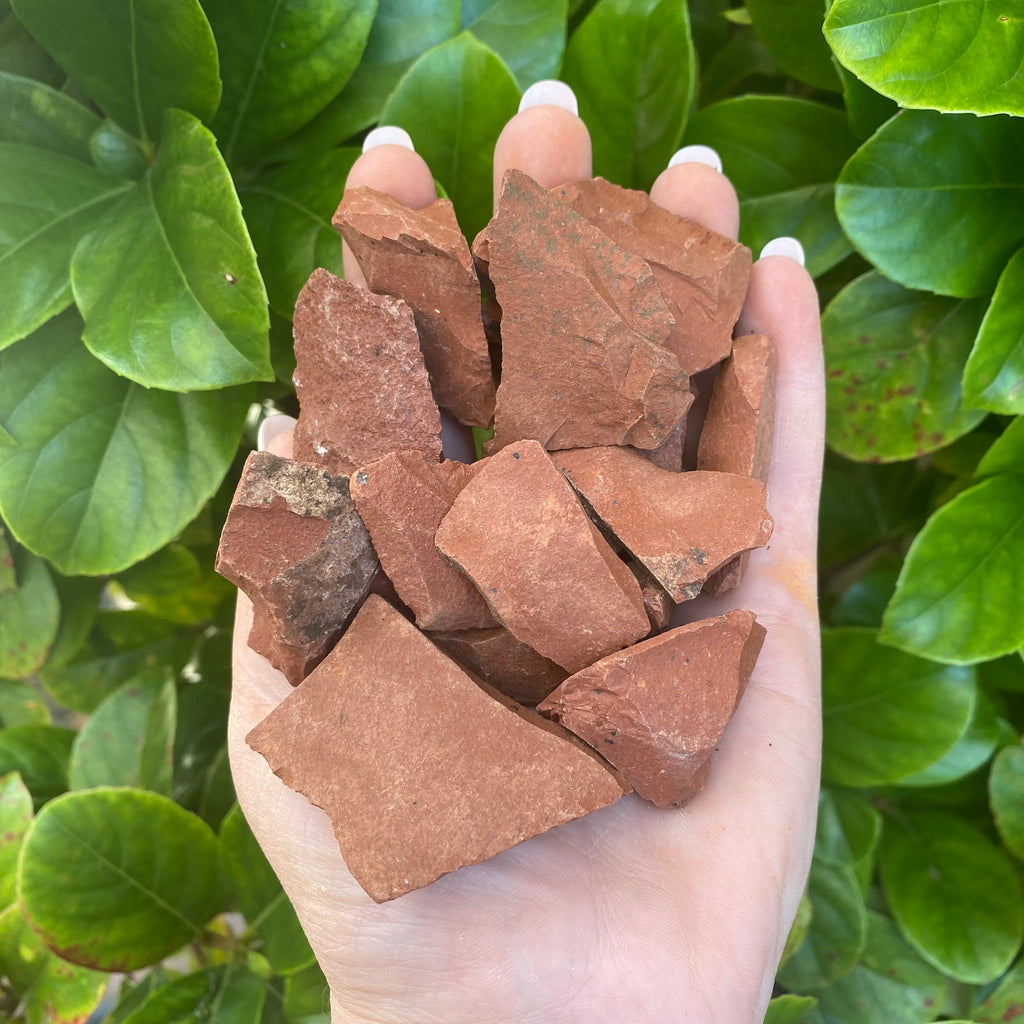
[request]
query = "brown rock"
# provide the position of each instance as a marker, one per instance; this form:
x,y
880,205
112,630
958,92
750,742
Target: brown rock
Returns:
x,y
668,455
681,526
402,499
359,376
657,603
703,275
295,544
419,769
421,256
582,326
518,531
503,662
657,710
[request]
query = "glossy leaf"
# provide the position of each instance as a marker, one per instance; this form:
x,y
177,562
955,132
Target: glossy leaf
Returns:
x,y
118,878
21,704
887,714
104,471
791,29
963,56
454,101
1006,455
955,896
1005,1002
528,35
135,58
229,993
168,284
39,753
33,114
29,615
960,596
925,176
790,1009
994,375
894,359
1006,797
15,816
632,66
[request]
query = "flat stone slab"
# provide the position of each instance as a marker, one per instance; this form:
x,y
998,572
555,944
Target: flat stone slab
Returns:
x,y
422,257
657,710
680,526
419,769
519,533
359,377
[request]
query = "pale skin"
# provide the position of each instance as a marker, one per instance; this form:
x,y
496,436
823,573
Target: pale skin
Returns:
x,y
631,914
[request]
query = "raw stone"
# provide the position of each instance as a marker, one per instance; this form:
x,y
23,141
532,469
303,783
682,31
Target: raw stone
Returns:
x,y
295,544
519,532
657,710
582,330
359,377
421,256
680,526
420,770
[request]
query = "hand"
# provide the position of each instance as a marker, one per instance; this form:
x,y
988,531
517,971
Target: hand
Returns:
x,y
632,914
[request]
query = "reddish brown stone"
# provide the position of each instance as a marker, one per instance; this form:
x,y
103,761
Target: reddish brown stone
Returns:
x,y
295,544
657,603
402,499
359,377
421,256
681,526
670,454
657,710
503,662
418,768
703,275
582,326
518,531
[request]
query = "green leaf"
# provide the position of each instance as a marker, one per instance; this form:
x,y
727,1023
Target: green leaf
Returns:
x,y
887,714
798,929
454,101
15,816
48,201
226,994
866,110
8,579
168,282
790,1009
994,375
79,603
848,832
21,704
924,176
21,55
791,29
742,57
1006,797
960,596
40,754
118,878
33,114
115,151
528,35
895,358
1006,455
104,471
955,896
307,999
962,56
863,602
782,155
1005,1002
288,211
29,615
632,66
281,64
268,912
135,58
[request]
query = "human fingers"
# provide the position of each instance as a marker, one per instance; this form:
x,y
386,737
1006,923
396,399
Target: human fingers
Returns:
x,y
693,186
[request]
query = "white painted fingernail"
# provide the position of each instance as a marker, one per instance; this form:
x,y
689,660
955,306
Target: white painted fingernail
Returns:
x,y
550,93
388,135
273,427
696,155
784,246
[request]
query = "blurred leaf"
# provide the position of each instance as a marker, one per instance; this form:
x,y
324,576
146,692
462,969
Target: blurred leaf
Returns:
x,y
170,569
733,64
307,999
1007,452
790,1009
132,996
1006,673
955,896
1006,797
15,816
116,152
791,29
33,114
798,929
29,615
8,578
79,603
866,110
632,66
1006,1002
21,704
925,176
146,877
40,754
226,994
135,59
528,35
863,602
848,832
218,792
21,55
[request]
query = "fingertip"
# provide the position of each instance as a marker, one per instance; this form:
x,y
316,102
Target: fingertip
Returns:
x,y
696,190
400,172
275,435
782,302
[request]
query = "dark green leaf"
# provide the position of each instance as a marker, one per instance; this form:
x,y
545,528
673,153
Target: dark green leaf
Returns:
x,y
1007,452
218,792
955,896
960,597
21,704
887,714
791,29
528,35
79,603
48,201
1006,1002
168,570
798,929
33,114
790,1009
454,101
866,110
115,151
863,602
21,55
8,579
29,615
1006,797
104,471
15,816
632,66
1005,673
118,878
281,64
848,832
307,999
963,56
227,994
135,58
926,176
168,282
40,754
743,57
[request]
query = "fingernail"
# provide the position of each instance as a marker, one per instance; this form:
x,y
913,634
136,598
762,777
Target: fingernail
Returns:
x,y
697,155
388,135
552,93
784,246
273,427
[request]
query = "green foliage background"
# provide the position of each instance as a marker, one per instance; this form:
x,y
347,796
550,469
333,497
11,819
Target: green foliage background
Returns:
x,y
167,177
